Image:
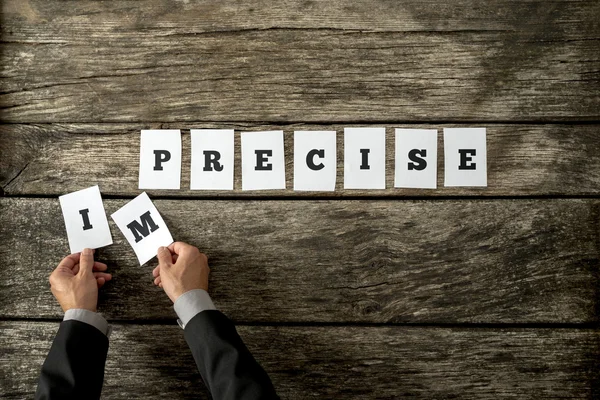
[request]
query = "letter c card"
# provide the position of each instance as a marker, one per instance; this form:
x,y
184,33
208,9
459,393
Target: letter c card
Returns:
x,y
143,227
315,160
85,219
160,159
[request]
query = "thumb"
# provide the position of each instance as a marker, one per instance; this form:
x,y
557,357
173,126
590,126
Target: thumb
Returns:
x,y
164,258
86,261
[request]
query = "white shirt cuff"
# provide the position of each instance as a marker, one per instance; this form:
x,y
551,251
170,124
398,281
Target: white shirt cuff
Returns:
x,y
88,317
189,304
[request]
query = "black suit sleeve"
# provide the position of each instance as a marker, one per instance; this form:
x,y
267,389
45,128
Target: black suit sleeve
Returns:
x,y
226,365
74,368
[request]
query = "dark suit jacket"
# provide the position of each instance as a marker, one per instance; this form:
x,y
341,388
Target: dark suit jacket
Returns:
x,y
226,365
74,368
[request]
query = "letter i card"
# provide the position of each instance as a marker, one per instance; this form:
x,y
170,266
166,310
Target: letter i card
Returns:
x,y
85,219
143,227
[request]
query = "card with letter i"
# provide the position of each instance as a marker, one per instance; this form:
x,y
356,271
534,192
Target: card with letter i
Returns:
x,y
85,219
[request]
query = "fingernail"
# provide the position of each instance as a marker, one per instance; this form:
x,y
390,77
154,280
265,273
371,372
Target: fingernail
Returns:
x,y
161,248
87,252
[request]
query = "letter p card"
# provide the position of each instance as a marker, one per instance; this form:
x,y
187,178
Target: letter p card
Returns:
x,y
143,227
160,159
85,219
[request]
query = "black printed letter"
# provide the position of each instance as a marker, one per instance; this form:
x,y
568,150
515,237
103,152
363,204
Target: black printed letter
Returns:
x,y
365,158
465,158
86,219
261,159
160,156
310,159
136,228
212,157
418,163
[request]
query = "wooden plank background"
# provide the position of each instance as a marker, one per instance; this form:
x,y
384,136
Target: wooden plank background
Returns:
x,y
522,160
455,292
174,61
326,362
338,261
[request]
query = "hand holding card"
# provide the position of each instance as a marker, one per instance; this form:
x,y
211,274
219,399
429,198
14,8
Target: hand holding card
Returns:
x,y
143,227
85,219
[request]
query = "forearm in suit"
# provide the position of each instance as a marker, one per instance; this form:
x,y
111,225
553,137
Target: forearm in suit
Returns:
x,y
226,365
74,368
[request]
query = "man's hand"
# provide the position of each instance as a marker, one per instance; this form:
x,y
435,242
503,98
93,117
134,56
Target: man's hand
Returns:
x,y
181,268
76,280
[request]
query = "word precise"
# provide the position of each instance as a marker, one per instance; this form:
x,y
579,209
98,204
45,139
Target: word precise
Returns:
x,y
315,159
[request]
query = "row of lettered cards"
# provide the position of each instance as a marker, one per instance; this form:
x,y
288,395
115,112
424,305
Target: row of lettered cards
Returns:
x,y
315,159
139,221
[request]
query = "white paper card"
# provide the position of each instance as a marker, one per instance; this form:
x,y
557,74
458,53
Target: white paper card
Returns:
x,y
465,154
416,158
143,227
160,159
263,164
315,160
212,159
364,158
85,219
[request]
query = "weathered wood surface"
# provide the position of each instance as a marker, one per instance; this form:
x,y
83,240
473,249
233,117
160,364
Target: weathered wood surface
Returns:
x,y
79,79
54,159
153,361
144,18
336,261
364,61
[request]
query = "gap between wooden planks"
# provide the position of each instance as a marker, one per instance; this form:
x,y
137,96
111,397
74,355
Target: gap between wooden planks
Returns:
x,y
523,160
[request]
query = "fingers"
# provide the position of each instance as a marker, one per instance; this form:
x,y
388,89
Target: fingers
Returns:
x,y
158,281
69,261
103,275
86,261
100,282
72,260
156,271
174,247
178,247
68,266
98,266
164,257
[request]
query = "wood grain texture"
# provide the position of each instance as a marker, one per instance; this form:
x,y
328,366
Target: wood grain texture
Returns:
x,y
153,362
156,60
144,18
54,159
336,261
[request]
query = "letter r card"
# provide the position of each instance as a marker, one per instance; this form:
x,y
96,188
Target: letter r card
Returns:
x,y
85,219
